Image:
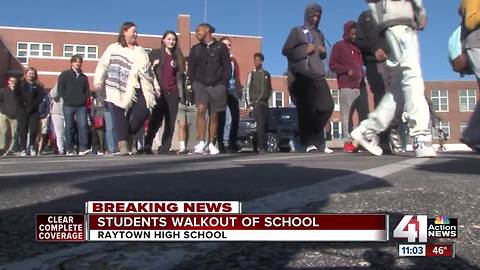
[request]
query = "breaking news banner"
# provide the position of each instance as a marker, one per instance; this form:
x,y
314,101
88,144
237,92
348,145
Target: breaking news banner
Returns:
x,y
110,221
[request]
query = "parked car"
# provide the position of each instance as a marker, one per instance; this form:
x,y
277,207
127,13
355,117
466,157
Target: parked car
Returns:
x,y
282,131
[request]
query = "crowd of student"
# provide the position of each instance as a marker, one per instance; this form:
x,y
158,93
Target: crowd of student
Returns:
x,y
135,93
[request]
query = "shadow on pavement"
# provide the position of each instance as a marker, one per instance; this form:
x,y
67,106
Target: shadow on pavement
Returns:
x,y
465,164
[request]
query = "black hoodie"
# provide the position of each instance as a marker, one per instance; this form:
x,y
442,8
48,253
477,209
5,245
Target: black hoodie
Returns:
x,y
368,37
295,48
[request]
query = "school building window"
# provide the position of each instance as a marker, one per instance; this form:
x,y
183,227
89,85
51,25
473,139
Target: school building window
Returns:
x,y
440,100
468,100
443,126
336,99
276,101
33,49
86,51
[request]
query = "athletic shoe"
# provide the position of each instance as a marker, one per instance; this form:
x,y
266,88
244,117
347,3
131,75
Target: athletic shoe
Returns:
x,y
23,153
100,154
70,153
33,152
312,149
422,145
83,153
213,150
183,152
328,150
395,141
367,139
200,148
348,147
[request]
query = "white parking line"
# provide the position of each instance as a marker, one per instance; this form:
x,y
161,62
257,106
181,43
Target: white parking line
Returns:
x,y
274,203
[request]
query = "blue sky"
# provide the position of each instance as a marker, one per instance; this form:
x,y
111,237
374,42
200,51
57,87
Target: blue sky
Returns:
x,y
271,19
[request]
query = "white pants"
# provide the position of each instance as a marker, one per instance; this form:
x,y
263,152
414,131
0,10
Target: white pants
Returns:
x,y
59,127
404,82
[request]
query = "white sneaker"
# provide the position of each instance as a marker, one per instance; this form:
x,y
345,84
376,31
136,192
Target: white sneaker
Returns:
x,y
83,153
312,149
100,154
23,153
328,150
213,150
367,139
33,152
422,145
199,148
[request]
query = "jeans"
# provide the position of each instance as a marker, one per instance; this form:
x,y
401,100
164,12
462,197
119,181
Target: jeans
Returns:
x,y
76,114
406,83
59,128
7,139
110,132
232,129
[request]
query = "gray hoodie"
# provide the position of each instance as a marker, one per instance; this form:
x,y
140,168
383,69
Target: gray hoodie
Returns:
x,y
295,47
389,13
57,107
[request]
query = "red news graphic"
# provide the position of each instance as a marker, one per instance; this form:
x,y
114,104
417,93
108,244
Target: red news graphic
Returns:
x,y
238,227
156,207
60,228
440,250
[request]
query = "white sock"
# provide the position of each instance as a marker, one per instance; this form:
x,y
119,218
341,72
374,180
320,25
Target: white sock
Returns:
x,y
182,145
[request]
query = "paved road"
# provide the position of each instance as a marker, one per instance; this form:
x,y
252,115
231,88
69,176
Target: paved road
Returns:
x,y
301,183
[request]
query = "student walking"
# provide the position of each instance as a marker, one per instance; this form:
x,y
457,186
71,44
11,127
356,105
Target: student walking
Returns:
x,y
28,94
234,94
210,70
73,87
124,71
258,91
8,121
58,120
399,22
305,52
346,61
187,112
169,67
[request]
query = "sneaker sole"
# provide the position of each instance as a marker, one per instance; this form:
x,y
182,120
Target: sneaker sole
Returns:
x,y
358,138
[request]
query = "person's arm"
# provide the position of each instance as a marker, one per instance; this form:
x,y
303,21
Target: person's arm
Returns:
x,y
295,47
267,93
192,66
323,52
2,96
335,63
86,90
61,85
227,65
102,68
247,88
38,99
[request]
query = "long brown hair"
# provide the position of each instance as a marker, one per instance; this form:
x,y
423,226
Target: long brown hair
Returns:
x,y
121,36
176,51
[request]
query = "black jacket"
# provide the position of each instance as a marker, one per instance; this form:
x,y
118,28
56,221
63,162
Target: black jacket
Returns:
x,y
73,89
8,104
159,54
369,37
28,97
210,65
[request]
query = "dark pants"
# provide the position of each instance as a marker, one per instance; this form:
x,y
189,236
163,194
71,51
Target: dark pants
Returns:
x,y
166,108
377,84
471,135
261,113
315,106
76,114
234,107
129,122
27,123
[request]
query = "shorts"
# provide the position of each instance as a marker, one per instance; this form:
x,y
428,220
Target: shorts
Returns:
x,y
186,112
213,97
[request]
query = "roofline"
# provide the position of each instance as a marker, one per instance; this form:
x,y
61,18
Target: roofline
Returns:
x,y
233,35
71,31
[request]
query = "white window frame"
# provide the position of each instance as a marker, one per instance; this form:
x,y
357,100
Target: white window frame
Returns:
x,y
443,125
274,99
75,50
336,99
440,98
470,107
29,51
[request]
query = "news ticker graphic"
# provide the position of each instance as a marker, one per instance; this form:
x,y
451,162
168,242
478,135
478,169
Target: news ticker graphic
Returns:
x,y
427,250
204,221
420,228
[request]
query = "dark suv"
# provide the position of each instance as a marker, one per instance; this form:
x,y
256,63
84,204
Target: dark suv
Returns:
x,y
282,130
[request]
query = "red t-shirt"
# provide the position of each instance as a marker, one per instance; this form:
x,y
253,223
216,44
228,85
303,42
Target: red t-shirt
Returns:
x,y
168,81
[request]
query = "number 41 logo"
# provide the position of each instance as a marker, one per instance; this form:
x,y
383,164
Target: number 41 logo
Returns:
x,y
413,228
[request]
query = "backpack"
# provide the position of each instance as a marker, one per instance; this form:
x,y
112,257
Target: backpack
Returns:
x,y
471,14
456,54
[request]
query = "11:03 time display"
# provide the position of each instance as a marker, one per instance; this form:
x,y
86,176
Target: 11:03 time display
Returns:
x,y
411,250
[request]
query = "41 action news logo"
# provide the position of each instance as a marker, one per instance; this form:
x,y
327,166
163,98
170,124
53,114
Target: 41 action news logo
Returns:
x,y
420,228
